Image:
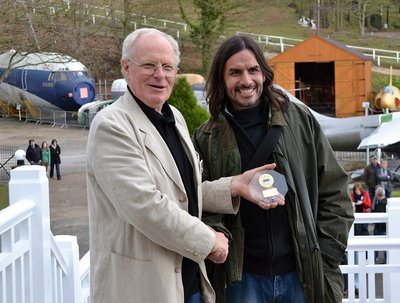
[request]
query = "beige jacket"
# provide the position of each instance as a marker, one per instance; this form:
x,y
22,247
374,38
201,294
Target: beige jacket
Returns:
x,y
138,220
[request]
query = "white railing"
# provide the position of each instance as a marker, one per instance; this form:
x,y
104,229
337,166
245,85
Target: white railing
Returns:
x,y
36,267
283,43
376,282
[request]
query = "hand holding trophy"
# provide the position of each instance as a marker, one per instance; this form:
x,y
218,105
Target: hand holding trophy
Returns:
x,y
269,187
261,185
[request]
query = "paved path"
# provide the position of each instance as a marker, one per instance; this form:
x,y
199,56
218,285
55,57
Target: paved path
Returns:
x,y
386,71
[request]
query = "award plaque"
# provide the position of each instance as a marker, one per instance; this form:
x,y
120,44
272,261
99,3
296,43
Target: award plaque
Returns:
x,y
268,186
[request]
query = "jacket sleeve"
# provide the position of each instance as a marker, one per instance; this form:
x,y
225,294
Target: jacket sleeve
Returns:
x,y
367,201
335,213
212,218
379,176
28,155
131,185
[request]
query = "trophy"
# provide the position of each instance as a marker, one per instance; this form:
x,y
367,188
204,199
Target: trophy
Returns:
x,y
268,186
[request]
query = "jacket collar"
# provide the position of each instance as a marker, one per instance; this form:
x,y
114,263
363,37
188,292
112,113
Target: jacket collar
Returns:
x,y
155,143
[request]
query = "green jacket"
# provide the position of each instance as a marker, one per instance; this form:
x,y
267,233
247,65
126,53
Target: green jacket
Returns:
x,y
45,156
319,208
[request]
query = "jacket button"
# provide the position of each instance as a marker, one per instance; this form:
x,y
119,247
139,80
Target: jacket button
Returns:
x,y
178,270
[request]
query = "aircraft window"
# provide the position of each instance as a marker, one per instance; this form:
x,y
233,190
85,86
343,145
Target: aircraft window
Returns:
x,y
63,76
52,77
79,74
388,90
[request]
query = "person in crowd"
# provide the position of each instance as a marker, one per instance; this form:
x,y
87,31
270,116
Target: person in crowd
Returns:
x,y
379,206
384,177
33,153
145,195
362,204
290,253
55,159
45,155
370,173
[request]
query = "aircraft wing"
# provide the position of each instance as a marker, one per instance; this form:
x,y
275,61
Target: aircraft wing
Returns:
x,y
385,134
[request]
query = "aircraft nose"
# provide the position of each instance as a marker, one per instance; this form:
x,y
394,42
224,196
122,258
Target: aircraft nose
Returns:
x,y
387,101
84,92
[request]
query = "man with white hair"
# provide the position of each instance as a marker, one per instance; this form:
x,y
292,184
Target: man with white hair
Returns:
x,y
145,195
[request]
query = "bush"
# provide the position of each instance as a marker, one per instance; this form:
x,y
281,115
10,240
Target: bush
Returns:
x,y
183,98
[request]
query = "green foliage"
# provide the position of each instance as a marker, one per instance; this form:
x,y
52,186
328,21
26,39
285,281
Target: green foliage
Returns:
x,y
3,196
183,99
379,81
395,194
212,15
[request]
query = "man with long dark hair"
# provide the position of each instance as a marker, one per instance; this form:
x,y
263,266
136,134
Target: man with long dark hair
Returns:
x,y
290,253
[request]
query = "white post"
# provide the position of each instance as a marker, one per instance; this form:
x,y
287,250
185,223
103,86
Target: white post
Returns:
x,y
393,231
100,89
105,89
30,182
70,250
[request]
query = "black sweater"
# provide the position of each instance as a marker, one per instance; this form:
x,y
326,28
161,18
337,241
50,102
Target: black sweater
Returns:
x,y
268,245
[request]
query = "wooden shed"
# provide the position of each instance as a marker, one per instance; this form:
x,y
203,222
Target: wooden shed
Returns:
x,y
326,75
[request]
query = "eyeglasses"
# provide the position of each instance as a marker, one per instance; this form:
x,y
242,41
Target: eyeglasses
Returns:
x,y
151,68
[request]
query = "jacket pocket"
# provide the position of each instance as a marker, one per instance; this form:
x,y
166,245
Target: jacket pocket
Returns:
x,y
129,280
333,284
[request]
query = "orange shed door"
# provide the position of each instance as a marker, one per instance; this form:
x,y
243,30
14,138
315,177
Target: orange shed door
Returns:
x,y
284,76
345,104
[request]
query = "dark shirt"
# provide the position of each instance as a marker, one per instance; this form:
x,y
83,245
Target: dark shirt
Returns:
x,y
359,208
165,124
55,154
33,154
268,245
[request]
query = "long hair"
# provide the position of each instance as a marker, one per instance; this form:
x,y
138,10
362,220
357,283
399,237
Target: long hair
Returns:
x,y
358,186
45,146
215,85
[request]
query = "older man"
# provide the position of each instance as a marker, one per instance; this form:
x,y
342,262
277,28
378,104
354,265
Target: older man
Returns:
x,y
145,194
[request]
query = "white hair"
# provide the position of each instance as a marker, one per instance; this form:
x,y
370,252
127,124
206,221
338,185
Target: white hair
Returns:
x,y
380,191
128,48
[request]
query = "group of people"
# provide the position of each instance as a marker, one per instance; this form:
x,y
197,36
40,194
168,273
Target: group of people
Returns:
x,y
45,155
378,180
378,174
363,203
178,219
373,197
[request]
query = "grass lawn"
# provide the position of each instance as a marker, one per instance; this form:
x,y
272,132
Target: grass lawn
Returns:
x,y
3,196
395,194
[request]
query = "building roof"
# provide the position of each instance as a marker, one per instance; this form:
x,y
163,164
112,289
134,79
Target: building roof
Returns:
x,y
319,49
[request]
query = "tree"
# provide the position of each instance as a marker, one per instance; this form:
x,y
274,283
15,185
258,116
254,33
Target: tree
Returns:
x,y
362,14
183,98
210,25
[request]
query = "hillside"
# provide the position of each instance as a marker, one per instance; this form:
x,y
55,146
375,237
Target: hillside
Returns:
x,y
97,41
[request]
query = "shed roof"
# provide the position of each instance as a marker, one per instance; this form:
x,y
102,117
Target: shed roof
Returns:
x,y
319,49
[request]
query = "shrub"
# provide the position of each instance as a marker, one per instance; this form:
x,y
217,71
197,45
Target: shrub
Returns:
x,y
183,99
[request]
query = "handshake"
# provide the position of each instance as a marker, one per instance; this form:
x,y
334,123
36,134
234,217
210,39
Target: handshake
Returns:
x,y
220,250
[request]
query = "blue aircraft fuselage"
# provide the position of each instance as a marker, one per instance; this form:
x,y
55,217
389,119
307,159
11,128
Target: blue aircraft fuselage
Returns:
x,y
45,80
